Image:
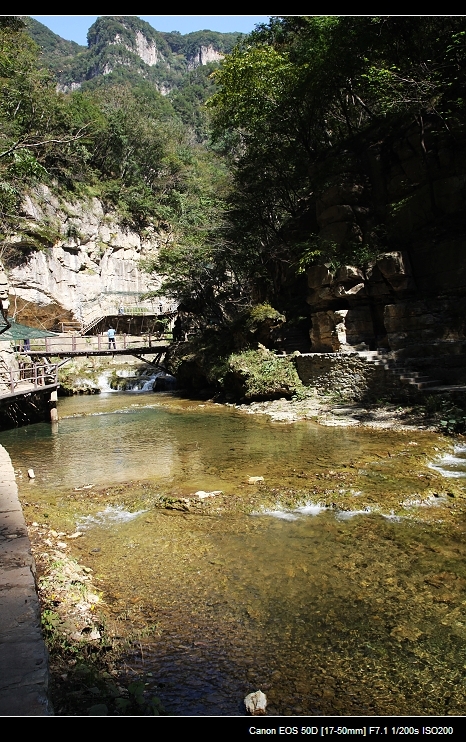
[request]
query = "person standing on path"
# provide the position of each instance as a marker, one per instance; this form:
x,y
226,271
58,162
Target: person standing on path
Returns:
x,y
111,338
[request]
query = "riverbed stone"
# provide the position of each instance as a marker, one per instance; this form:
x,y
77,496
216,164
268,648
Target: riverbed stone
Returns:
x,y
256,703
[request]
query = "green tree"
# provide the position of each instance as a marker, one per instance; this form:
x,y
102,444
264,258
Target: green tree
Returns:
x,y
302,90
38,137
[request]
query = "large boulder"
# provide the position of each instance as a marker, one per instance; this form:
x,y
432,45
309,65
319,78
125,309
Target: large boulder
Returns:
x,y
396,269
318,275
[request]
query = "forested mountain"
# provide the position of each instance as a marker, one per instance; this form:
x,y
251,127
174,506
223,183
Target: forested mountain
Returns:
x,y
125,49
129,48
122,140
303,161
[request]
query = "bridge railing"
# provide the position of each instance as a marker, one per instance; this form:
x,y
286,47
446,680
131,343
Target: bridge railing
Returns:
x,y
33,375
77,343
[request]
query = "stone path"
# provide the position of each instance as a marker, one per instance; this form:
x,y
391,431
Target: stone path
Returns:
x,y
23,655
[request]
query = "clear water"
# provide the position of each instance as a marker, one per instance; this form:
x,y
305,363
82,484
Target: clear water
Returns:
x,y
358,607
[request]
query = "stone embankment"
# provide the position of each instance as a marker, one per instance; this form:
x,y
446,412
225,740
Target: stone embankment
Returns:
x,y
23,655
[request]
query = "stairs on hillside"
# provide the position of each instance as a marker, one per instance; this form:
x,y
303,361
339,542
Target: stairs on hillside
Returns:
x,y
92,324
408,377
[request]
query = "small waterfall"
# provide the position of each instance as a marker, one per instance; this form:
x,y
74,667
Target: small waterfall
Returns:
x,y
148,385
148,381
137,379
103,382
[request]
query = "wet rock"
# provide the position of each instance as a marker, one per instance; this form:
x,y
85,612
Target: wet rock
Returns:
x,y
164,383
256,703
404,631
203,495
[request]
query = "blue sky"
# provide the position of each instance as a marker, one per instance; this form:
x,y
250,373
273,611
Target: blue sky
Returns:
x,y
75,27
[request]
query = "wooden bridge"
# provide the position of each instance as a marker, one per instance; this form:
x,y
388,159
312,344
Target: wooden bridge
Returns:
x,y
61,346
29,393
75,346
136,350
32,378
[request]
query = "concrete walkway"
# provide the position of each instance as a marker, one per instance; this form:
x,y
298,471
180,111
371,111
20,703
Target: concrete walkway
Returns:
x,y
23,655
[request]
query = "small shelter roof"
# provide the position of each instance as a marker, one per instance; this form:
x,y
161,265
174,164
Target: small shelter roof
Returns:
x,y
24,332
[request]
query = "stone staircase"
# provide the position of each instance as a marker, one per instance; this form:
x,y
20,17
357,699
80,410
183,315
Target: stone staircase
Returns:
x,y
92,323
399,370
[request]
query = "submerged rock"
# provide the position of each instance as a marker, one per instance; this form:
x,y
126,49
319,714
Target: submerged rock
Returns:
x,y
202,495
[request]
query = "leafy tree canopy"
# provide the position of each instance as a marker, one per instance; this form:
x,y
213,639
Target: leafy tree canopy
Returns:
x,y
303,88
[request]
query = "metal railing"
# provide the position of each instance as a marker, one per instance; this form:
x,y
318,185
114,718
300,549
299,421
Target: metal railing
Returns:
x,y
135,311
98,315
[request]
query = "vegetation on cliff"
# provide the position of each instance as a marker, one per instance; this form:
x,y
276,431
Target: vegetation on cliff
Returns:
x,y
296,109
297,104
124,143
300,107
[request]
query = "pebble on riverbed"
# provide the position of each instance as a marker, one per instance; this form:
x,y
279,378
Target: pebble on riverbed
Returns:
x,y
256,703
202,495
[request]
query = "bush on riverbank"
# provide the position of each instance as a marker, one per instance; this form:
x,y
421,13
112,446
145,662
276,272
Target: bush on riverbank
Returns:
x,y
247,375
261,374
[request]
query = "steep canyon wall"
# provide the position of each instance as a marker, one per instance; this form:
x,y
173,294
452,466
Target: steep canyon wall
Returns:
x,y
74,261
408,195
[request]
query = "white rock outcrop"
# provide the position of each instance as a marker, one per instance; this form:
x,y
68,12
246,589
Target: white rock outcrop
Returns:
x,y
145,49
204,55
89,263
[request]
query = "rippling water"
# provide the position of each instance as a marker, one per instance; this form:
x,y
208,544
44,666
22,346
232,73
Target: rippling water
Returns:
x,y
353,610
452,465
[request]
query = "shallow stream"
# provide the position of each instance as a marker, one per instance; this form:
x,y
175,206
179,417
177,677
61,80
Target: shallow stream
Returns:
x,y
337,585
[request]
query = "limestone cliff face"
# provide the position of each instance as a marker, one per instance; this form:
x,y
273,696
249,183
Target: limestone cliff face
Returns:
x,y
204,55
88,265
145,48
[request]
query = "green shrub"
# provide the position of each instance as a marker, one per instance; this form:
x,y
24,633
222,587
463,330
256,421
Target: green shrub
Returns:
x,y
260,374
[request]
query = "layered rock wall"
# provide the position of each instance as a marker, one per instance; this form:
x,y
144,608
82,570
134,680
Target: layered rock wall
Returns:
x,y
77,259
403,197
347,375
